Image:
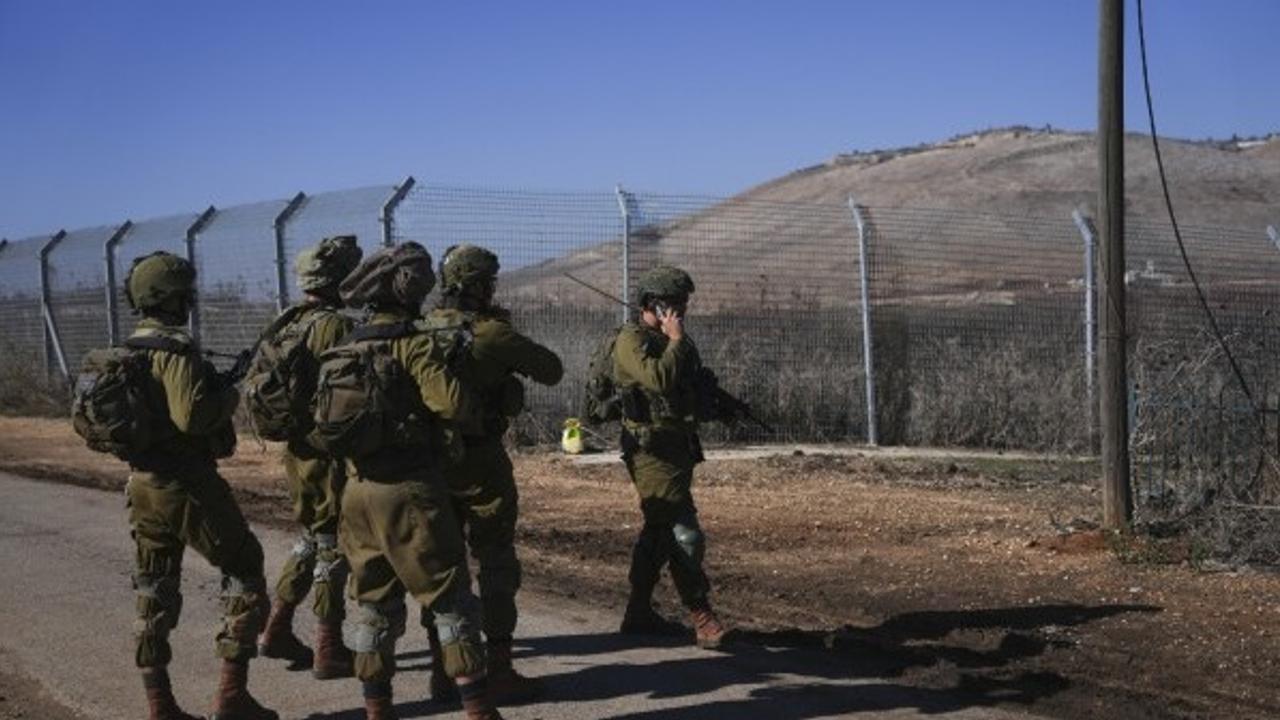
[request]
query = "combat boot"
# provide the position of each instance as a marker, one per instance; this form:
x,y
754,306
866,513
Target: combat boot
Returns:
x,y
379,708
477,703
277,639
160,698
642,619
708,631
233,701
442,688
332,658
506,685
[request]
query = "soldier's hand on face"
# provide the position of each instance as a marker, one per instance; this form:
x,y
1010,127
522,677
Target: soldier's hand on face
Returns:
x,y
672,323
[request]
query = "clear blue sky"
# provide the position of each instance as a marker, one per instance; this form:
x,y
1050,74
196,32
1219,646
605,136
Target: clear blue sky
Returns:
x,y
135,109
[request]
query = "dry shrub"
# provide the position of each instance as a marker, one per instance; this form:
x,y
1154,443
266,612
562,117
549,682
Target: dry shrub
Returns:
x,y
25,389
1205,463
1028,398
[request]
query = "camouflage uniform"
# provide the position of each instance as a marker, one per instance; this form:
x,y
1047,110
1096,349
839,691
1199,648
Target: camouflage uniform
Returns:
x,y
398,527
660,452
315,480
656,376
483,484
176,499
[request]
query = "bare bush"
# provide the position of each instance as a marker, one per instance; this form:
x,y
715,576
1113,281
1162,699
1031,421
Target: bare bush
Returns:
x,y
1205,459
24,387
1006,397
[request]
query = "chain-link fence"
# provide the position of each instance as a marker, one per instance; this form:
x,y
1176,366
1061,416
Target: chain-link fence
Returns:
x,y
979,326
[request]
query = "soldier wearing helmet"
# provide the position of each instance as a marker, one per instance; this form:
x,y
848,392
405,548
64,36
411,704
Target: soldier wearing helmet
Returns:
x,y
178,500
398,527
483,483
315,479
655,369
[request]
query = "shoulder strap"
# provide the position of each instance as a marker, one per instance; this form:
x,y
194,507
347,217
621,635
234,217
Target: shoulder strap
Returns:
x,y
289,315
382,331
155,342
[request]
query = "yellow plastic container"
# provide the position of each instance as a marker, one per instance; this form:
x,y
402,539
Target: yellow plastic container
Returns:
x,y
571,440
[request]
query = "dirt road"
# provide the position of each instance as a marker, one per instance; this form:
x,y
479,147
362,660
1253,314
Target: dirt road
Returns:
x,y
65,554
949,572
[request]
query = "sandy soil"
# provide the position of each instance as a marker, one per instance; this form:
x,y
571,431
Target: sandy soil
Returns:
x,y
969,573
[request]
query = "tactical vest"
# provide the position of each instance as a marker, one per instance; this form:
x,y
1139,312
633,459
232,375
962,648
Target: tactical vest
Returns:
x,y
607,399
601,401
110,408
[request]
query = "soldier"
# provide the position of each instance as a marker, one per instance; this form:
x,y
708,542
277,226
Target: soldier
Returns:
x,y
483,484
177,499
315,479
656,368
398,528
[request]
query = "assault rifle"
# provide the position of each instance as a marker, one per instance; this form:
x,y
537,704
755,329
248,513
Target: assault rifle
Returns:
x,y
723,405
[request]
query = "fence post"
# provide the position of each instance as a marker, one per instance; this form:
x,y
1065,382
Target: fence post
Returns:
x,y
1090,237
389,210
193,233
624,206
113,305
52,341
868,348
282,270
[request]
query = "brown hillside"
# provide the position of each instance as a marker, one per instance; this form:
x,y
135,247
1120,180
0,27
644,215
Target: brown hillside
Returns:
x,y
794,232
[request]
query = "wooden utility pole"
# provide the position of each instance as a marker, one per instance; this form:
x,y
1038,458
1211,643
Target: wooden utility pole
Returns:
x,y
1117,498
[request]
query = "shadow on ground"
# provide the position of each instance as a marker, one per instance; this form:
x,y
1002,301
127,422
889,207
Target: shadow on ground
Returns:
x,y
798,675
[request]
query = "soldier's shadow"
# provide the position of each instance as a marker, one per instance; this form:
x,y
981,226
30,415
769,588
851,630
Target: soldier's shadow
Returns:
x,y
795,675
798,675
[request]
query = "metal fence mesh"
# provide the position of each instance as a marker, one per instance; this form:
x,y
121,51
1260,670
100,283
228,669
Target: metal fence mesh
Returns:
x,y
978,320
776,310
979,328
537,237
236,275
77,291
21,324
349,212
1197,437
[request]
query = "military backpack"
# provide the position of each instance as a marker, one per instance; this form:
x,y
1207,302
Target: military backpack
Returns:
x,y
365,400
282,379
601,401
110,409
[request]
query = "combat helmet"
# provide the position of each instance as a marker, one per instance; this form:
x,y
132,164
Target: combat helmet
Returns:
x,y
398,276
323,266
161,284
467,266
664,282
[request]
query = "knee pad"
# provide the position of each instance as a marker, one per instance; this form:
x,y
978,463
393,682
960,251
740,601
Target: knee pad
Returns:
x,y
690,542
159,603
330,566
304,548
457,616
375,627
